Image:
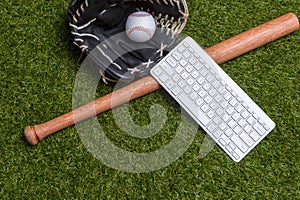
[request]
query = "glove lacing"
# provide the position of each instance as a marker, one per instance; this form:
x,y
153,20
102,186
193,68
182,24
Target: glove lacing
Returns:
x,y
165,23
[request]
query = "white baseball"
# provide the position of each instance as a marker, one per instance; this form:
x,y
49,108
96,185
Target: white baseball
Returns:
x,y
140,26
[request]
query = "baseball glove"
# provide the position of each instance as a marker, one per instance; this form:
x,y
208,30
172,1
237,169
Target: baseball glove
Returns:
x,y
93,22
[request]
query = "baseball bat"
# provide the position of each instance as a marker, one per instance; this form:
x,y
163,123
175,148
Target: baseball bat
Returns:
x,y
221,52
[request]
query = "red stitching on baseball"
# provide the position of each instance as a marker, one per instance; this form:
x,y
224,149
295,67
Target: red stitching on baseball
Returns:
x,y
140,28
140,15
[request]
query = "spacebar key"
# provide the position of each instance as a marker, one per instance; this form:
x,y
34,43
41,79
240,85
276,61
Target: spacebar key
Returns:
x,y
188,104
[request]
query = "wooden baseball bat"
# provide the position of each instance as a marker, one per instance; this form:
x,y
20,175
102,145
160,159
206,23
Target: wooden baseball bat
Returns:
x,y
221,52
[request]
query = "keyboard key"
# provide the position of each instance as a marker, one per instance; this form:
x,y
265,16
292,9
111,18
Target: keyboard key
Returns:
x,y
266,127
181,84
239,99
213,105
179,69
237,129
193,95
220,111
239,108
235,155
228,88
164,78
181,49
207,99
247,128
205,108
204,72
225,139
211,127
217,119
171,61
233,93
235,116
186,54
260,130
250,110
232,102
222,126
201,60
221,90
227,96
184,75
216,84
232,145
239,143
187,90
212,92
210,114
176,55
222,141
195,74
245,105
212,71
193,60
190,81
189,68
209,78
189,105
157,71
225,117
196,87
238,152
248,141
176,78
260,121
251,120
231,123
230,110
228,132
206,86
254,135
207,66
245,114
176,90
224,104
198,66
167,68
170,84
200,80
242,122
229,149
202,93
191,50
199,102
217,133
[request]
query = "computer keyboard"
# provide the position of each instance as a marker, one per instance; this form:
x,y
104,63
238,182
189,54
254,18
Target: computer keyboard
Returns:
x,y
226,113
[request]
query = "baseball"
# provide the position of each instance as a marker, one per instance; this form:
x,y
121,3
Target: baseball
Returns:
x,y
140,26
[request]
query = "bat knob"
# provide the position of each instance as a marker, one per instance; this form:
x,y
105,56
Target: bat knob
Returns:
x,y
30,135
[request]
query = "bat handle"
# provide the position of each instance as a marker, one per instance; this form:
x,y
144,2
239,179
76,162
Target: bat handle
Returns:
x,y
34,134
221,52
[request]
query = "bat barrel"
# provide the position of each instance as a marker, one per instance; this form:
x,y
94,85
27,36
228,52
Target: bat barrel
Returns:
x,y
254,38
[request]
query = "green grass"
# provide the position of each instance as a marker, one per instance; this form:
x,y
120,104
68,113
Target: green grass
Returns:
x,y
38,69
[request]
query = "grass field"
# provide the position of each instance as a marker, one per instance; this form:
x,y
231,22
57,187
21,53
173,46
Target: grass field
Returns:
x,y
38,69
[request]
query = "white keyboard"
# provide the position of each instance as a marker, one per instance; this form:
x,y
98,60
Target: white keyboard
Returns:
x,y
228,115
